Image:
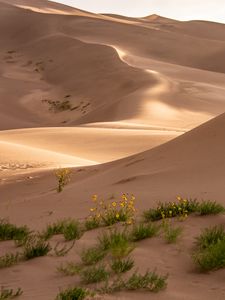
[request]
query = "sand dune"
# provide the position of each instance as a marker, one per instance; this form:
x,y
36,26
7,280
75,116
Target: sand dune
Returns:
x,y
131,105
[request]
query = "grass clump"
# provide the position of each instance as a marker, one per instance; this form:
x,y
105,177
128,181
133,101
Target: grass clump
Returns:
x,y
92,256
92,223
35,247
116,242
54,229
72,230
94,274
171,233
9,231
209,253
143,231
9,293
122,265
210,208
70,269
63,178
9,260
76,293
150,281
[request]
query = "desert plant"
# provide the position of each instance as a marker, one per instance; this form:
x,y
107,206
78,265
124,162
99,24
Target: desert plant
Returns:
x,y
92,223
70,269
122,265
209,252
55,228
110,212
210,236
170,232
9,293
63,178
143,231
9,231
210,208
150,281
72,230
92,255
116,242
94,274
76,293
9,260
211,258
35,247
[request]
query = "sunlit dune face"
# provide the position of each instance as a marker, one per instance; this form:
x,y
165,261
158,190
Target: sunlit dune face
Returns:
x,y
159,110
45,10
122,54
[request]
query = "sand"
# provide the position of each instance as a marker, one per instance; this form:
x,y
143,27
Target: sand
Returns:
x,y
130,105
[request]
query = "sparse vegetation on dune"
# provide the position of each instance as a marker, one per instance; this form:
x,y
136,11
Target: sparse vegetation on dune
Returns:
x,y
103,265
181,208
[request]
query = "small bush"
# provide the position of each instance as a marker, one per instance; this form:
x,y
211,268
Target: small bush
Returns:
x,y
35,247
9,293
92,256
63,178
144,231
210,208
118,243
73,294
122,265
12,232
9,260
70,269
94,274
150,281
72,230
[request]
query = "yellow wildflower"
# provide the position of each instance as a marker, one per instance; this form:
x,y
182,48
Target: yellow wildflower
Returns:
x,y
114,204
117,216
94,198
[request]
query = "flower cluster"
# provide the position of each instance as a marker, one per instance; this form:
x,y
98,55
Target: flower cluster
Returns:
x,y
179,208
108,212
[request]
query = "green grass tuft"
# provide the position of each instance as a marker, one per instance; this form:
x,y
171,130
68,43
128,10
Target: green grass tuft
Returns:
x,y
122,265
9,231
209,253
35,247
76,293
72,230
117,243
92,256
143,231
9,260
150,281
171,233
70,269
210,208
94,274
